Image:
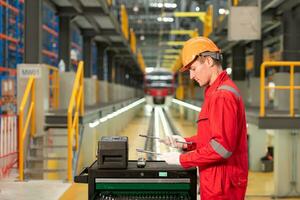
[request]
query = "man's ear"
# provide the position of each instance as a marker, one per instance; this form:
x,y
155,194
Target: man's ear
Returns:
x,y
210,61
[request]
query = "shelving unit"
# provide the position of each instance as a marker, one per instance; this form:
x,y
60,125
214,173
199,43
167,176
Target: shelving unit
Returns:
x,y
76,47
11,33
50,36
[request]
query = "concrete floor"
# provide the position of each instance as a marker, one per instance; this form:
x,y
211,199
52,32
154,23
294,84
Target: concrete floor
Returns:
x,y
260,185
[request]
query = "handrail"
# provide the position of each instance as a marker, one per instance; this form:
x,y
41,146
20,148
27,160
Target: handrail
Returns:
x,y
291,87
30,88
124,22
77,103
54,86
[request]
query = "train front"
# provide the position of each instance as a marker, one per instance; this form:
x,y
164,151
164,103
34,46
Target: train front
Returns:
x,y
159,87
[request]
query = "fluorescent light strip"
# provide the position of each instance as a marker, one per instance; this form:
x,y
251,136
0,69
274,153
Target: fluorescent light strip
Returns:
x,y
165,125
187,105
116,113
156,129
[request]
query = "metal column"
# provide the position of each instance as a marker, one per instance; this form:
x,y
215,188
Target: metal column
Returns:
x,y
258,56
291,35
33,31
110,64
239,62
65,40
100,59
87,56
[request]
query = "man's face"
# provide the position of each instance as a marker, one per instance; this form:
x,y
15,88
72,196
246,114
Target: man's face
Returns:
x,y
201,71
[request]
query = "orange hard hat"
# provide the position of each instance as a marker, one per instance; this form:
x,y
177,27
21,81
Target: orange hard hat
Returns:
x,y
195,47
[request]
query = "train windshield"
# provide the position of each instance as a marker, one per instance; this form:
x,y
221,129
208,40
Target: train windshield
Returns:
x,y
159,80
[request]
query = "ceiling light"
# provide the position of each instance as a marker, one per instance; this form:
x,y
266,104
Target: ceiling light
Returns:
x,y
170,5
165,19
136,8
166,5
160,5
197,8
223,11
142,37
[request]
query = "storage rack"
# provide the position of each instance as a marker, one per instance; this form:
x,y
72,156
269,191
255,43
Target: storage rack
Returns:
x,y
76,44
50,36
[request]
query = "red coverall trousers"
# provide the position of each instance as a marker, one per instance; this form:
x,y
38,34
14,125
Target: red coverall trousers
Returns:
x,y
219,149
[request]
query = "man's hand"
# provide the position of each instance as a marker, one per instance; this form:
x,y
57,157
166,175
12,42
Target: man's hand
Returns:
x,y
172,141
172,158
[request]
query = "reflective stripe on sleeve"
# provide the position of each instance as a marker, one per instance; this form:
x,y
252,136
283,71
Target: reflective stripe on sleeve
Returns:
x,y
220,149
230,89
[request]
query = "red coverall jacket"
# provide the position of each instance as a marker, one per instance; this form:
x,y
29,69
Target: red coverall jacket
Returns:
x,y
220,147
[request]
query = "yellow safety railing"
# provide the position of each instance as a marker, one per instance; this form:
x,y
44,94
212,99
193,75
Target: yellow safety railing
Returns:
x,y
290,87
76,106
235,2
124,22
140,60
132,41
30,118
54,86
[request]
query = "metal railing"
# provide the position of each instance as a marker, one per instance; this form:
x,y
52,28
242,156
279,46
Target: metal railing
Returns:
x,y
124,22
76,106
54,86
30,118
290,87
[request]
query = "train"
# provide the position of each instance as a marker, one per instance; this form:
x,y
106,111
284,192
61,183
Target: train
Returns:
x,y
159,86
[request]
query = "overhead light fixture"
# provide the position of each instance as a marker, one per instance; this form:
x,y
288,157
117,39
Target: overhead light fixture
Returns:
x,y
116,113
223,11
142,37
197,9
165,5
135,8
165,19
170,5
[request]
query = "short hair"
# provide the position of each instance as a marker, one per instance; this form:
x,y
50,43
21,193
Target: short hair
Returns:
x,y
216,62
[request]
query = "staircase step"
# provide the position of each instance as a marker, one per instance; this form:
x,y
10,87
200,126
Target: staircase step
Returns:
x,y
48,146
41,170
52,135
48,126
46,158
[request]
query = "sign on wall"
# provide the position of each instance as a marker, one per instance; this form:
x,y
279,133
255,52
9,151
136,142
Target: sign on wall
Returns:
x,y
26,72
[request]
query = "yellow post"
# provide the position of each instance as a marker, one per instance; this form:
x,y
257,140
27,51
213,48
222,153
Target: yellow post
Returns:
x,y
235,2
70,156
208,22
76,131
33,128
262,90
292,113
82,95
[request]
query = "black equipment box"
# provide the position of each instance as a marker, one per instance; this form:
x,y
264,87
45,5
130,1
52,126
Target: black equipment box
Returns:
x,y
113,152
157,180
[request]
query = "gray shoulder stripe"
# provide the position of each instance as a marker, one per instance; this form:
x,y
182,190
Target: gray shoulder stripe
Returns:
x,y
230,89
220,149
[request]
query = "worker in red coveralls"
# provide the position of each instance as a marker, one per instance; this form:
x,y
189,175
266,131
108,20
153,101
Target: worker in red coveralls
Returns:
x,y
219,149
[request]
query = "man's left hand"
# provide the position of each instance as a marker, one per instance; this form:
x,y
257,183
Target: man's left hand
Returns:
x,y
172,158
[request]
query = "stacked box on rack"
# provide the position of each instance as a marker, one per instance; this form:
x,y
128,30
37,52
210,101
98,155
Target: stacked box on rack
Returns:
x,y
50,36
